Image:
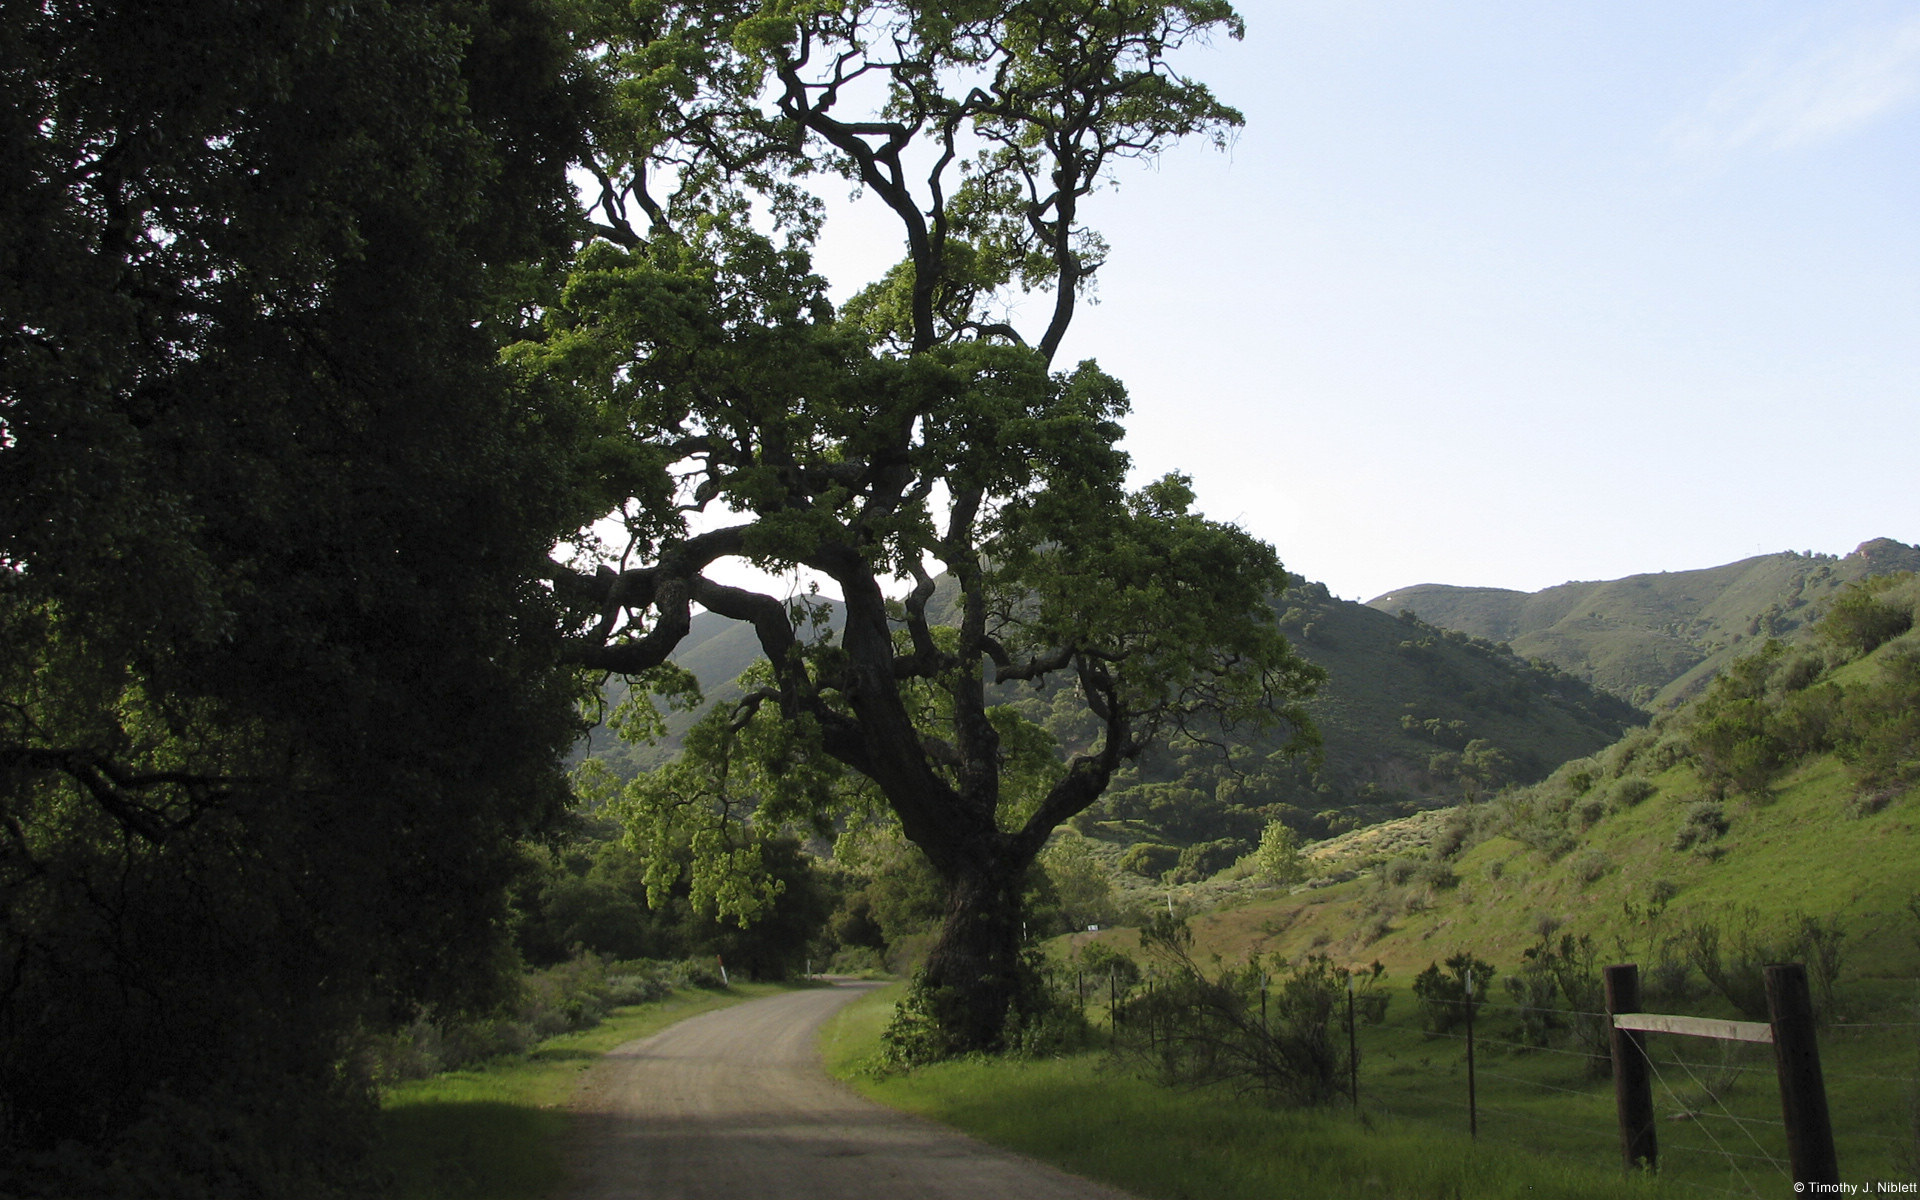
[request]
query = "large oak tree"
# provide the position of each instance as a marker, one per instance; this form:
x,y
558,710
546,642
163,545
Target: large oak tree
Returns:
x,y
921,432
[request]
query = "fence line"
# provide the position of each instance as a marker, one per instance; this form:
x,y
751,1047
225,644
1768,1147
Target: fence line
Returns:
x,y
1484,1041
1543,1086
1673,1096
1724,1111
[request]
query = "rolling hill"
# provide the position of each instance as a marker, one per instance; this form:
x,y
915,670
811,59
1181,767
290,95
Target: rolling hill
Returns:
x,y
1654,639
1412,716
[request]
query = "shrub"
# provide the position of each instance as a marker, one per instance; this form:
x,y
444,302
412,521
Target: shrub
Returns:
x,y
1041,1019
1436,875
1732,961
1262,1028
1705,822
1151,859
1455,834
1863,619
1443,994
1630,790
1868,801
1880,739
1589,865
1103,960
1398,871
1376,926
1206,859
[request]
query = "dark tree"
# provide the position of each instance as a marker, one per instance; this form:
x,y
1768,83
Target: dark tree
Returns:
x,y
278,687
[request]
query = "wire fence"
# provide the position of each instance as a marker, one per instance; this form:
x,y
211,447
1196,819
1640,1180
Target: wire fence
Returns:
x,y
1720,1129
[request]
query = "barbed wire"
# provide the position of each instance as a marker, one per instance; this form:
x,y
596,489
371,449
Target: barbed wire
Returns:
x,y
1487,1041
1534,1083
1728,1113
1674,1097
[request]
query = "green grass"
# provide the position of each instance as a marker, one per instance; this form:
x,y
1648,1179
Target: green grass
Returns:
x,y
493,1133
1087,1115
1547,1129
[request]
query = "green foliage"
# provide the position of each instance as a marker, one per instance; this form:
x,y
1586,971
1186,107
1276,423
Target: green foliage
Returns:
x,y
1705,822
1261,1029
594,896
1205,860
1150,859
562,998
1081,883
278,694
1105,962
1558,993
1631,790
1041,1019
917,433
1448,996
1865,616
1277,860
1731,958
1880,740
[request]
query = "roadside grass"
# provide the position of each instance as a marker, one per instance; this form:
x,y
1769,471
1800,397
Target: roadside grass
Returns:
x,y
493,1132
1547,1129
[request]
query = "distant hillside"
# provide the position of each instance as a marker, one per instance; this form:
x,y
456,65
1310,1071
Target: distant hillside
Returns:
x,y
1654,639
1790,791
1413,716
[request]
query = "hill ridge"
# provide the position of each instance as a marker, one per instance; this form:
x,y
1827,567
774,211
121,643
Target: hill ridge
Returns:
x,y
1654,638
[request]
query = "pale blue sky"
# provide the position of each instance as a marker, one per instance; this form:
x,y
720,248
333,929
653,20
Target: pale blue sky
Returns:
x,y
1516,293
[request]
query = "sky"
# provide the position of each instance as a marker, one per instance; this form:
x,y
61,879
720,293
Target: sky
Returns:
x,y
1511,294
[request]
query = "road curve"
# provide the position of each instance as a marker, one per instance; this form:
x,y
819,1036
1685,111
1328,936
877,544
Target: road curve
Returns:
x,y
733,1105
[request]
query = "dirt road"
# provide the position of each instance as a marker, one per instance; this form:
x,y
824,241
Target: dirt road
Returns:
x,y
733,1105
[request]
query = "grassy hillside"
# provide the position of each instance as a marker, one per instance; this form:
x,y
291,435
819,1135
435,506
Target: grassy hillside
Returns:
x,y
1790,788
1777,818
1655,639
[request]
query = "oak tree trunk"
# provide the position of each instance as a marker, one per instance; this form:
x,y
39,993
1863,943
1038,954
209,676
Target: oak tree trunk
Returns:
x,y
975,979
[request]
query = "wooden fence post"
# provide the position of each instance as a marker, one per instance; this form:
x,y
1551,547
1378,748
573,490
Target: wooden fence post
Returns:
x,y
1632,1082
1803,1092
1353,1049
1473,1097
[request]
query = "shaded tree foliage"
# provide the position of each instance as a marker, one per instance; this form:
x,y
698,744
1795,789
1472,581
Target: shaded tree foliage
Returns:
x,y
278,689
915,434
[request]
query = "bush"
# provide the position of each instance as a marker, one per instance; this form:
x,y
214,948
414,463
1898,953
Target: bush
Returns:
x,y
1880,738
1589,865
1398,872
1705,822
1207,859
1630,790
1732,961
1261,1029
1151,859
1443,995
1436,875
1102,960
1277,860
1043,1018
1863,618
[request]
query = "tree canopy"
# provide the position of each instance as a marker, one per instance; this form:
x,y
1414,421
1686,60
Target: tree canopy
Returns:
x,y
278,685
918,433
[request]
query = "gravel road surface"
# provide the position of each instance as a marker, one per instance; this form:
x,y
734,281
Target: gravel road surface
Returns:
x,y
733,1105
